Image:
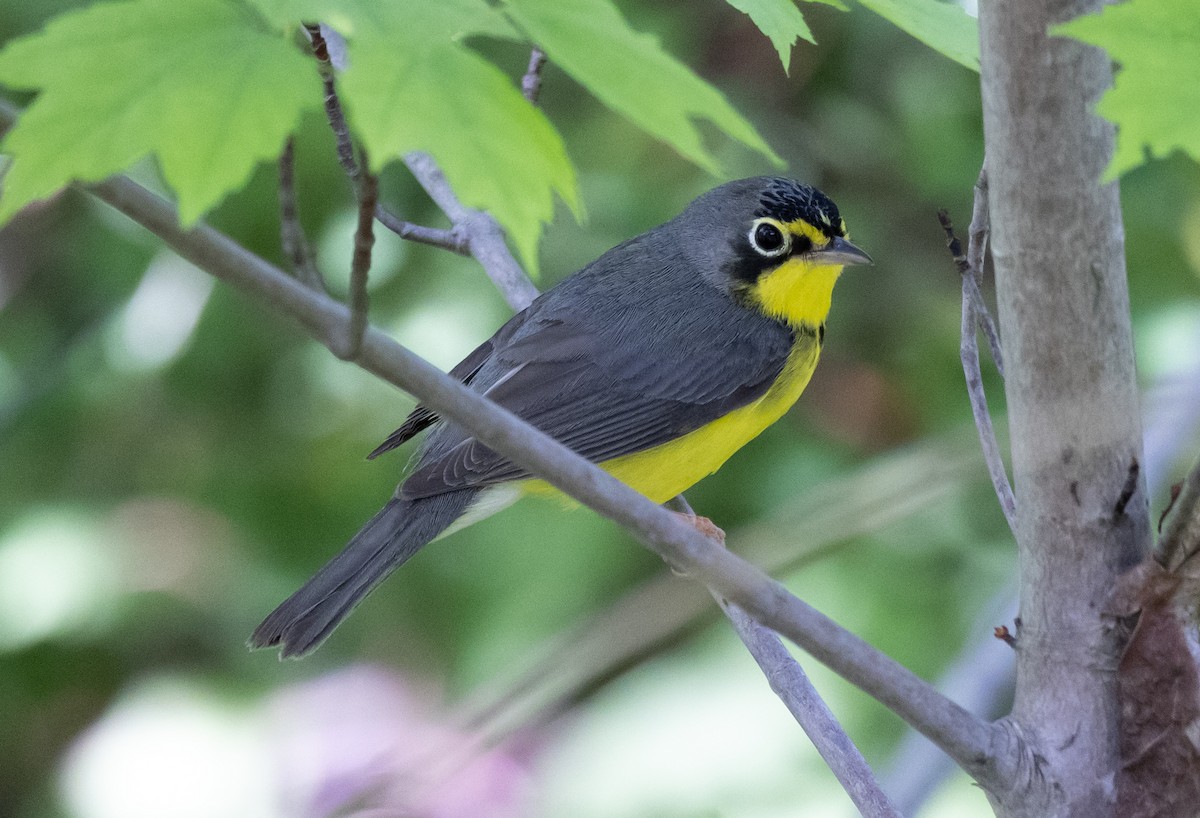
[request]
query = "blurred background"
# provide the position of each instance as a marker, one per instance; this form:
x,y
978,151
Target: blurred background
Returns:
x,y
174,461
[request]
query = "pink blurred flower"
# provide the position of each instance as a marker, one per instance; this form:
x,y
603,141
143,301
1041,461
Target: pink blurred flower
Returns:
x,y
363,742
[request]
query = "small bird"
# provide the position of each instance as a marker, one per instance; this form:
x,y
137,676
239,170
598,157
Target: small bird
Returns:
x,y
657,361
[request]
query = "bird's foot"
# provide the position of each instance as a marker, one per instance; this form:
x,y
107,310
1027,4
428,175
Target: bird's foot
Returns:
x,y
705,526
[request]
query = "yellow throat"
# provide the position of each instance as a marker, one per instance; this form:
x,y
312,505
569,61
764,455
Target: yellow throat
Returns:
x,y
796,292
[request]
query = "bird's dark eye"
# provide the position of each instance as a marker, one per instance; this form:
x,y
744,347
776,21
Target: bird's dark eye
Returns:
x,y
768,239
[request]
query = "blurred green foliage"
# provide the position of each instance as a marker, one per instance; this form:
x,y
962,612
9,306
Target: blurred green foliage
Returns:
x,y
163,486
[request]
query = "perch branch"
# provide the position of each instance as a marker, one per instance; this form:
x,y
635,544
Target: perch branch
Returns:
x,y
988,752
816,523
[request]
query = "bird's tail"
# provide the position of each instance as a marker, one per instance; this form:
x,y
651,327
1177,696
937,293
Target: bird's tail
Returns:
x,y
399,530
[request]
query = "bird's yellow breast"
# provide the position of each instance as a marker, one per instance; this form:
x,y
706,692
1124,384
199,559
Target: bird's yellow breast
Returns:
x,y
664,471
667,470
799,294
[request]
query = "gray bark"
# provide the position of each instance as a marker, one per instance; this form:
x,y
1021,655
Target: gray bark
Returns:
x,y
1058,245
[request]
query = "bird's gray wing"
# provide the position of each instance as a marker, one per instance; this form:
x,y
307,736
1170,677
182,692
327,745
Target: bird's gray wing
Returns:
x,y
612,385
466,371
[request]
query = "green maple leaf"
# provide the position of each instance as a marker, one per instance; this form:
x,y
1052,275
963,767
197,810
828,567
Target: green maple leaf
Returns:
x,y
201,84
631,74
780,20
412,85
440,19
405,92
942,26
1155,101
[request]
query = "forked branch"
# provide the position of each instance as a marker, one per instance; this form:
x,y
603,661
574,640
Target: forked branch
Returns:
x,y
988,752
975,316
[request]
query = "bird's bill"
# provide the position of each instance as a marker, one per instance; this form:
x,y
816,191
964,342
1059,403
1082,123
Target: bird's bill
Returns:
x,y
840,251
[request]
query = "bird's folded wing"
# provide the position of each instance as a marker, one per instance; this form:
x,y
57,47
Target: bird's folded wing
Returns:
x,y
605,393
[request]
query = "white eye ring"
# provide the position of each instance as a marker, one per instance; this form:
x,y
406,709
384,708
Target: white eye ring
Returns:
x,y
768,238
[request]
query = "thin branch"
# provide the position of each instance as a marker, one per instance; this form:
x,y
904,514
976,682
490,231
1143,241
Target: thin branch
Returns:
x,y
291,232
980,678
976,253
474,232
335,114
792,685
977,233
360,266
333,105
990,753
484,236
531,83
452,240
969,355
1180,540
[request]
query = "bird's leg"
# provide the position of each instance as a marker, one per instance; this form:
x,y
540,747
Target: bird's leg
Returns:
x,y
705,526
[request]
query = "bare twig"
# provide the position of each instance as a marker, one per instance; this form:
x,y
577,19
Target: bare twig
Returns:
x,y
981,679
291,232
977,233
1180,540
792,685
531,83
990,753
360,266
452,240
333,105
446,239
969,355
484,236
976,253
474,232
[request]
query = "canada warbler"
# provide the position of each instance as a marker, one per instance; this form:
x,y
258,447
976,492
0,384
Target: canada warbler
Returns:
x,y
658,361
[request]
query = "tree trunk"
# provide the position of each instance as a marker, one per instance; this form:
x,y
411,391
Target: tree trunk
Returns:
x,y
1082,512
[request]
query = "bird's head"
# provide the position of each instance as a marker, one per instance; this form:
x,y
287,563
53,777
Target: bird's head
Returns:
x,y
778,246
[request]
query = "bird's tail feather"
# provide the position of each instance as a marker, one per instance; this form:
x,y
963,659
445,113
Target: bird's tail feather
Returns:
x,y
399,530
